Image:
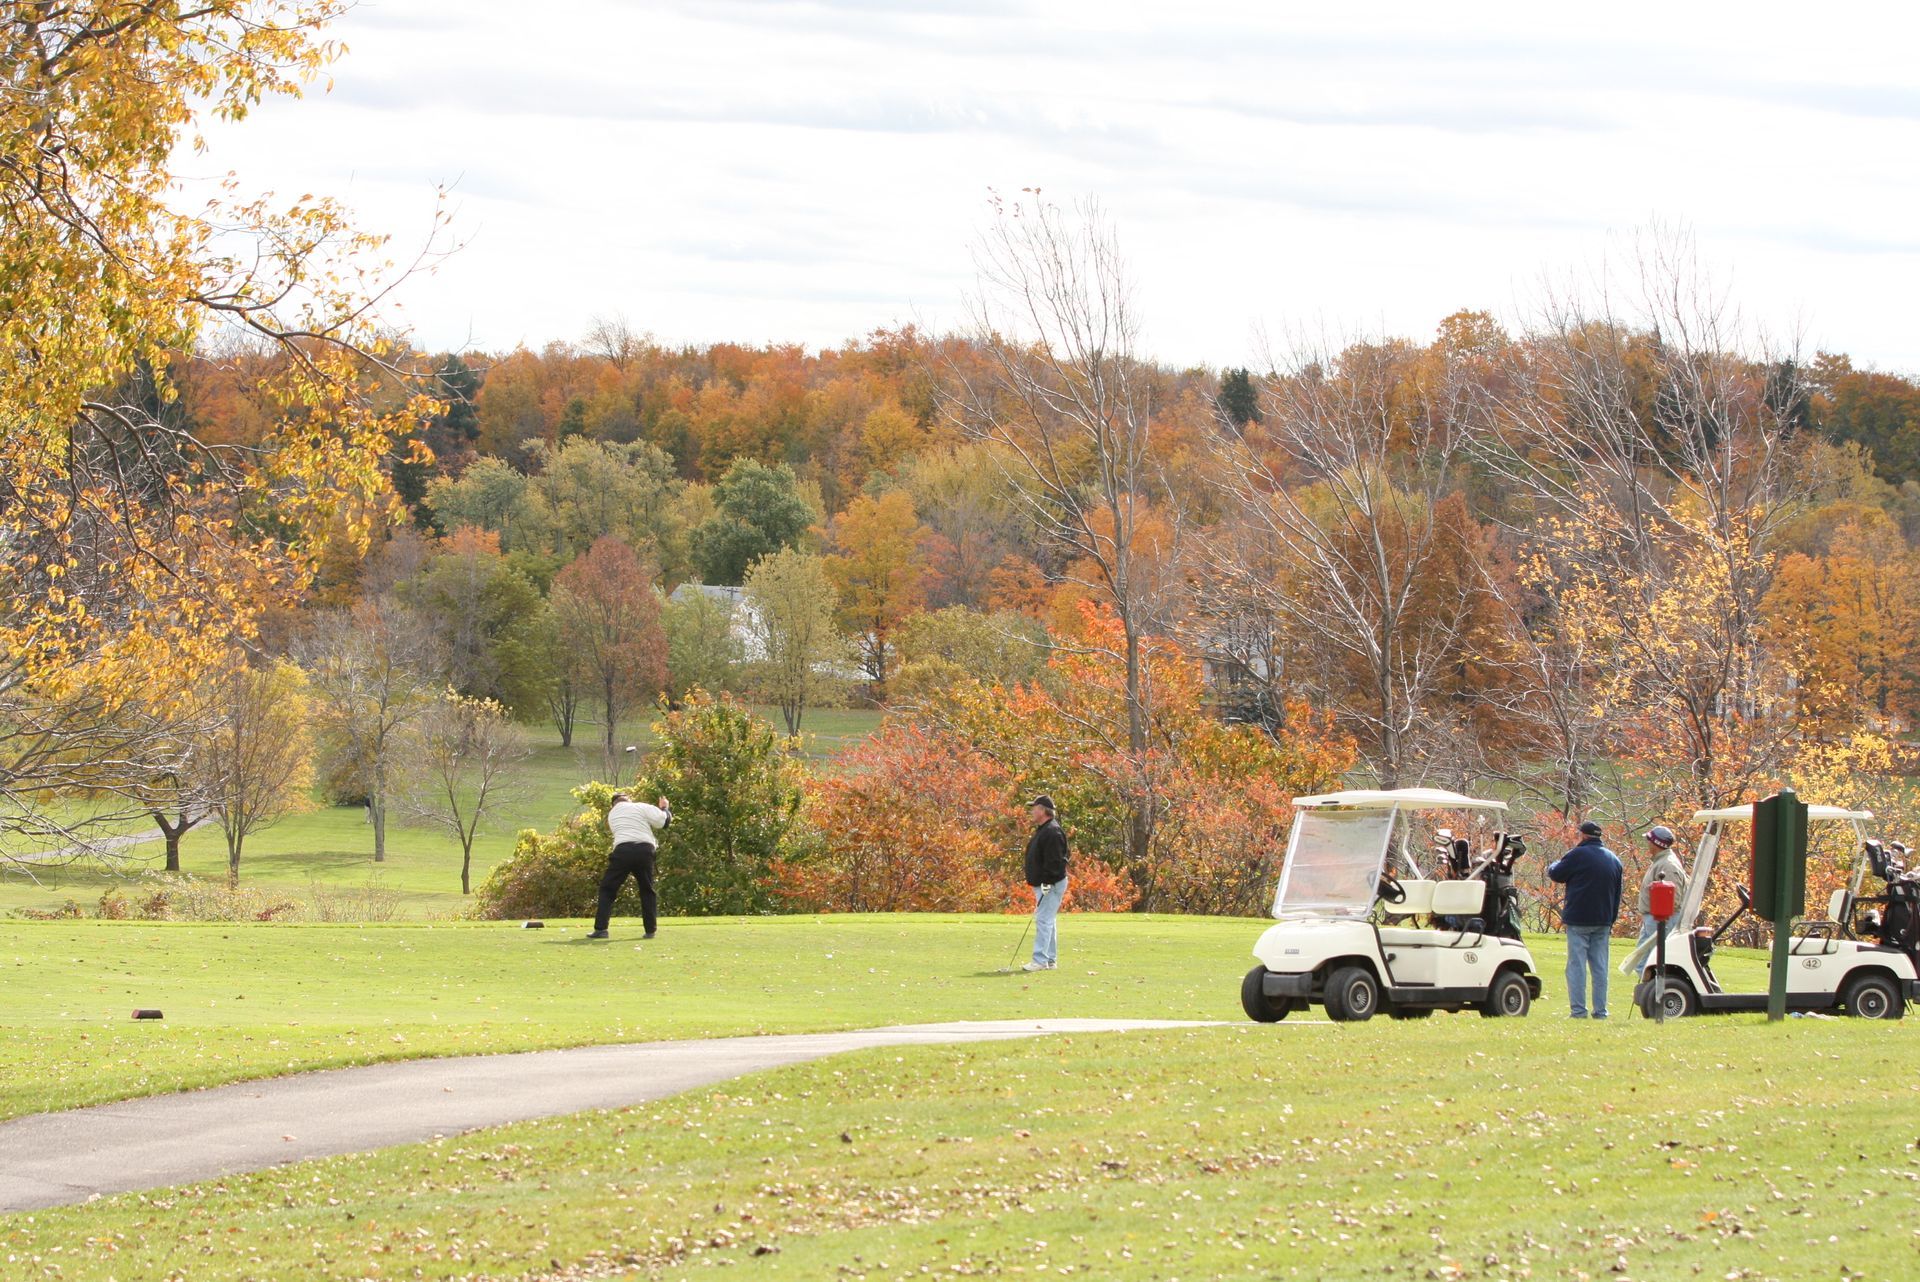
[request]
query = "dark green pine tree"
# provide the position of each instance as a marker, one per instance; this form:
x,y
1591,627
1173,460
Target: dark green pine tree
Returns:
x,y
1238,401
450,434
458,426
573,419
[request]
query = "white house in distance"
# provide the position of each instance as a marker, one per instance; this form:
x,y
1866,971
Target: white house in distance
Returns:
x,y
741,618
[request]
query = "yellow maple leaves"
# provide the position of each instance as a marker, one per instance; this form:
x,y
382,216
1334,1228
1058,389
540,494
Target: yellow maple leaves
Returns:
x,y
133,552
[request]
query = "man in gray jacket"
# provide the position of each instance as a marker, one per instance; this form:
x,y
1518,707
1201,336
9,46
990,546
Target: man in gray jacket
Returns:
x,y
1663,864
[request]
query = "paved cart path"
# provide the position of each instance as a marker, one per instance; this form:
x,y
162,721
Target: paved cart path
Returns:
x,y
55,1159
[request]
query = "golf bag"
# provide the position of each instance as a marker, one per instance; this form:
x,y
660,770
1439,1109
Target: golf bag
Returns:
x,y
1896,924
1503,897
1499,914
1899,924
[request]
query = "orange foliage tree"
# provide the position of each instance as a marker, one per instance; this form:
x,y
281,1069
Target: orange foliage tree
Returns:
x,y
1219,796
609,621
916,821
880,572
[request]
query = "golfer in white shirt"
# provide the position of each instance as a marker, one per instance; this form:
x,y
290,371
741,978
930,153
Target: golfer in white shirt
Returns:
x,y
635,827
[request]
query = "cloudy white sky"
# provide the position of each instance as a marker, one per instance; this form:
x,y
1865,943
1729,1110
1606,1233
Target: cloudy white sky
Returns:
x,y
808,171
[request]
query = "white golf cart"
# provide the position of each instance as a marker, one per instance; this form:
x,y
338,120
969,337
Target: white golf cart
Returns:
x,y
1341,890
1832,969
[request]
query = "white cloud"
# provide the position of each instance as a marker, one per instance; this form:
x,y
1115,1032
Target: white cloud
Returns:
x,y
766,170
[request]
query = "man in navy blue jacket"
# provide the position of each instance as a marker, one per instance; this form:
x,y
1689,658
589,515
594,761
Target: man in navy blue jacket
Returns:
x,y
1591,873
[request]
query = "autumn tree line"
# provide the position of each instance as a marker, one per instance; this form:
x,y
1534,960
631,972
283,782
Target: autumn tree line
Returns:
x,y
1615,556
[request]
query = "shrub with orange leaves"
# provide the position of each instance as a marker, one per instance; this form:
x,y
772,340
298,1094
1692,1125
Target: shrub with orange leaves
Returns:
x,y
1218,796
916,821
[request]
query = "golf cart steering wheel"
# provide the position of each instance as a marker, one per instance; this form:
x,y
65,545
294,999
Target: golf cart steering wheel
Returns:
x,y
1745,896
1391,891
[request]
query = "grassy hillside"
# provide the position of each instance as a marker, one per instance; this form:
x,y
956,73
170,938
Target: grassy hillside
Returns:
x,y
333,845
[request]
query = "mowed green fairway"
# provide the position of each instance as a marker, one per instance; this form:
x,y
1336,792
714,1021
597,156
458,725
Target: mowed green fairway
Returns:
x,y
261,999
1447,1148
332,846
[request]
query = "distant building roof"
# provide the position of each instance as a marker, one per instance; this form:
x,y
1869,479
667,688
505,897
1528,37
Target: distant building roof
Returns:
x,y
715,591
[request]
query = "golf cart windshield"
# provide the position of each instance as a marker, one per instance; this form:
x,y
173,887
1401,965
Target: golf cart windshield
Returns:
x,y
1333,862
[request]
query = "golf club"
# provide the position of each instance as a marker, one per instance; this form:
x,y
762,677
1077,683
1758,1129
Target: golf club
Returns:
x,y
1009,968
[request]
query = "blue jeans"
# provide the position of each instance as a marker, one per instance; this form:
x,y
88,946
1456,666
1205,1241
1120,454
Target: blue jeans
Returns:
x,y
1587,955
1046,931
1650,926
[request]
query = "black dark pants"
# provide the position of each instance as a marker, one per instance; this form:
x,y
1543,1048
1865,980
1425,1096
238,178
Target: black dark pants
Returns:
x,y
629,859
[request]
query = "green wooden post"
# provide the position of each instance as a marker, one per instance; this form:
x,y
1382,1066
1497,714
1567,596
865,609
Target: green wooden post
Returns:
x,y
1778,879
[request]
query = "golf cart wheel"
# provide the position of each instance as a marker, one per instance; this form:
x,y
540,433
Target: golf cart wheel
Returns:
x,y
1261,1008
1508,997
1676,1001
1874,997
1353,996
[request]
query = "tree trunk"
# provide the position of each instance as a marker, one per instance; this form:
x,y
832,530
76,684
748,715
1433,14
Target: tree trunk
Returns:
x,y
466,868
377,811
172,832
1390,746
608,702
233,860
1140,803
560,706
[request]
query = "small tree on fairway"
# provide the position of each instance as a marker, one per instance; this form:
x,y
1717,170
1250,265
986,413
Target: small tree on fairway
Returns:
x,y
736,794
555,677
609,618
800,649
172,786
372,669
465,756
257,764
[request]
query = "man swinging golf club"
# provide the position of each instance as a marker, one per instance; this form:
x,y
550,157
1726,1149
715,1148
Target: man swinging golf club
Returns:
x,y
635,827
1047,874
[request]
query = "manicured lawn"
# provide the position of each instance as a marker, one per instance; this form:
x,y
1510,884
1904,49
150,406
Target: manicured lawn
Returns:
x,y
1449,1148
333,845
257,1000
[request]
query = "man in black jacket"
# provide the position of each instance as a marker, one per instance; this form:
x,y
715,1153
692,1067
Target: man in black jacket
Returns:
x,y
1592,874
1047,874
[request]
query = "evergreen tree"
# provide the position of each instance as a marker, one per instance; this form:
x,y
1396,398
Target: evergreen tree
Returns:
x,y
1239,402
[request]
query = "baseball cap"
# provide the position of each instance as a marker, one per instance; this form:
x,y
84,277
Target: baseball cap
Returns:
x,y
1042,800
1660,835
1589,829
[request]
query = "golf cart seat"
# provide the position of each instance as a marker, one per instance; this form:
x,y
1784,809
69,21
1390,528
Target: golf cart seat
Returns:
x,y
1839,912
1417,904
1419,900
1461,899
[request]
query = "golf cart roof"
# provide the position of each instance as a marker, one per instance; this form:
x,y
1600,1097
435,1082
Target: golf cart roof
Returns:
x,y
1735,813
1404,798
